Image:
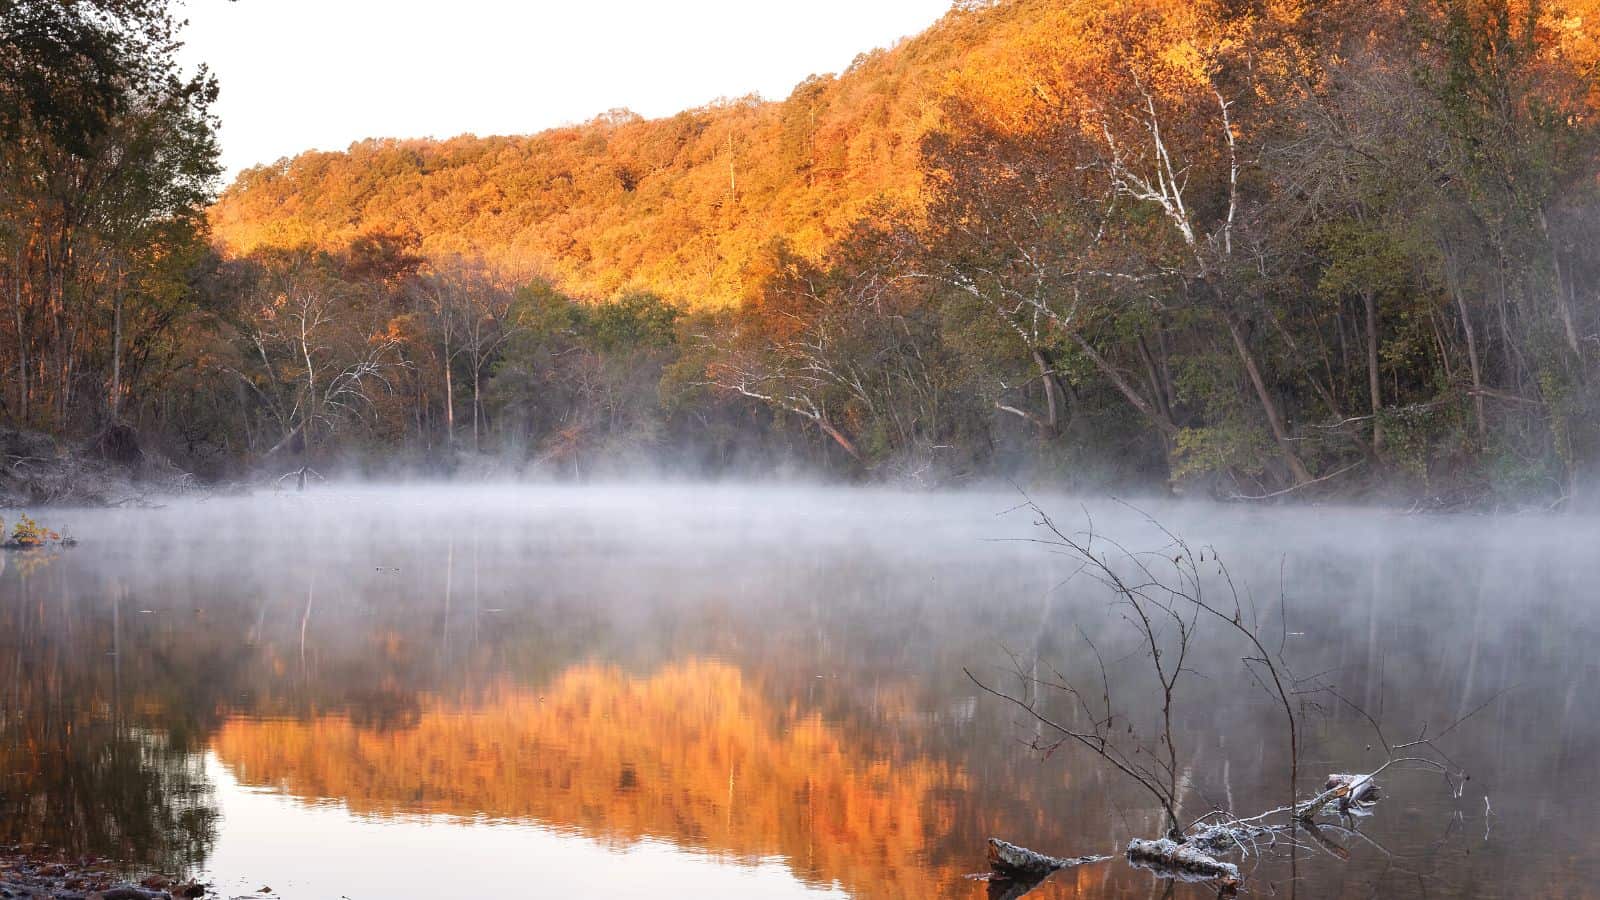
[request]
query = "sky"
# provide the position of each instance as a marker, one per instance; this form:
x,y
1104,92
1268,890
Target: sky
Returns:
x,y
320,74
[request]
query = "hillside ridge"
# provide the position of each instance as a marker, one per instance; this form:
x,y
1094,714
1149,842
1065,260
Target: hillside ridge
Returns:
x,y
679,206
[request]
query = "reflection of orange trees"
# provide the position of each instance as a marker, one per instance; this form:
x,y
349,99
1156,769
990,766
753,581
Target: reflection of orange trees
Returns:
x,y
694,754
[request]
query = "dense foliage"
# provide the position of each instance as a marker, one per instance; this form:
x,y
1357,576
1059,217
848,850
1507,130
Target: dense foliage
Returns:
x,y
1240,248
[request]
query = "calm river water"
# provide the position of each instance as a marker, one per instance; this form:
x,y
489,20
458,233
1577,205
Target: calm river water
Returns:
x,y
760,692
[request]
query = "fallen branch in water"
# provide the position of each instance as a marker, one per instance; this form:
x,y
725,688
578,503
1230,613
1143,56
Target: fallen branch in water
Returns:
x,y
1230,836
1163,598
1009,859
1182,862
1015,870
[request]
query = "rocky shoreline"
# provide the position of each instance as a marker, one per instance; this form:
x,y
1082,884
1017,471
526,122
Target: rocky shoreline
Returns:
x,y
37,872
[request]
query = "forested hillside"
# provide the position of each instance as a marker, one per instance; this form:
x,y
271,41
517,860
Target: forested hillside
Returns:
x,y
618,202
1254,250
677,205
681,206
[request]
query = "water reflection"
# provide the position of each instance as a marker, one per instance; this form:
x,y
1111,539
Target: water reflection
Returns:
x,y
692,754
754,691
78,767
322,851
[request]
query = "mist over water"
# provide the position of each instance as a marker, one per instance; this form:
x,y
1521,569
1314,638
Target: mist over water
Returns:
x,y
758,691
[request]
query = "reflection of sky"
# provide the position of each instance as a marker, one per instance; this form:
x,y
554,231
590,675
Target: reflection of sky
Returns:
x,y
324,851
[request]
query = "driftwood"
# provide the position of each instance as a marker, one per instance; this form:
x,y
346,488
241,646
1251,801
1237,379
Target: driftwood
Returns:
x,y
1015,870
1192,859
1009,859
1182,862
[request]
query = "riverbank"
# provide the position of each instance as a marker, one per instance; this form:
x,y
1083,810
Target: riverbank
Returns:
x,y
112,469
118,468
38,872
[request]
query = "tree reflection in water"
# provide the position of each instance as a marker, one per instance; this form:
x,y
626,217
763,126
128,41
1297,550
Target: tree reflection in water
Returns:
x,y
80,771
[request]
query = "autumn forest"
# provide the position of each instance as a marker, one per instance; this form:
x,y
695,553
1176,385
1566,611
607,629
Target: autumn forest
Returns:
x,y
1231,249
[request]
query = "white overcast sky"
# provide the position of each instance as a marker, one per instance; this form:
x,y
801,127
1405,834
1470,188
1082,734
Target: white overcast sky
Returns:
x,y
320,74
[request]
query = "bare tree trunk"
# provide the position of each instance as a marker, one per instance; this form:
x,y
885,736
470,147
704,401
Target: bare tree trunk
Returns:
x,y
68,365
1473,363
308,416
1162,423
449,404
1165,359
22,340
1513,350
1373,384
116,349
1045,428
839,438
416,413
1157,388
1563,298
475,401
1269,405
1051,393
1564,310
283,441
56,268
1441,344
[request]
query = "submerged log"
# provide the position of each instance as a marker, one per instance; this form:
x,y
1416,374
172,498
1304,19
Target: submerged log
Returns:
x,y
1181,861
1009,859
1016,871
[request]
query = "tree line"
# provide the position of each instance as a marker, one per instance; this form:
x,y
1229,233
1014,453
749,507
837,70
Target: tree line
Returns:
x,y
1250,250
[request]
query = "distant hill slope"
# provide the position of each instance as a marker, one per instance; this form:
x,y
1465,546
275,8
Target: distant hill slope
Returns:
x,y
679,206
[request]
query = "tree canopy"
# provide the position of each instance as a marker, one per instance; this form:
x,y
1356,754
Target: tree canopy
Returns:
x,y
1249,249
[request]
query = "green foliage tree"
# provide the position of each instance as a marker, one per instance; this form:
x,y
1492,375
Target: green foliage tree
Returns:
x,y
108,161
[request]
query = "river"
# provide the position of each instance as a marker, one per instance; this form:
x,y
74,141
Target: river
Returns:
x,y
763,691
